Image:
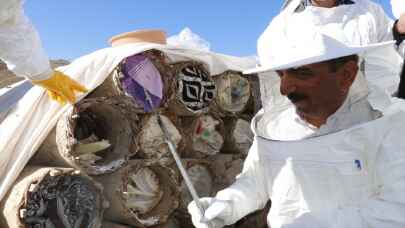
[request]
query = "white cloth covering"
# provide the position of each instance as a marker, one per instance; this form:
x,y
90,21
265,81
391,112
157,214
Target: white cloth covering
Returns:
x,y
30,121
20,45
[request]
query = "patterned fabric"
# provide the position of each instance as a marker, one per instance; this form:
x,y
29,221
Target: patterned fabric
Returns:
x,y
196,90
142,81
72,196
304,3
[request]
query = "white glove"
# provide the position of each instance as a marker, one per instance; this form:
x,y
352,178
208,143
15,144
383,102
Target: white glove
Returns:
x,y
215,212
398,7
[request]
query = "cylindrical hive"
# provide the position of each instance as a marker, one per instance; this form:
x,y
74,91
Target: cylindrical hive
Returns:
x,y
143,77
142,194
204,135
151,138
194,89
256,103
201,176
96,136
52,197
208,176
225,168
234,93
238,137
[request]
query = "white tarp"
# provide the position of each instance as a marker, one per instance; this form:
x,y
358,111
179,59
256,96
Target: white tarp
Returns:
x,y
187,38
30,121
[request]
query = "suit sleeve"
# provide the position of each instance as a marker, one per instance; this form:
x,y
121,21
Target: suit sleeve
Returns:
x,y
20,45
249,192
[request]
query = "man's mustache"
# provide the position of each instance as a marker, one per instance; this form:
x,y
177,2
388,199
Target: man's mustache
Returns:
x,y
295,97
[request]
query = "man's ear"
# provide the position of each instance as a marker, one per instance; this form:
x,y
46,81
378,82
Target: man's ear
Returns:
x,y
349,73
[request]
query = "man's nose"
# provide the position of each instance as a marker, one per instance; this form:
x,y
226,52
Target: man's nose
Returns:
x,y
287,84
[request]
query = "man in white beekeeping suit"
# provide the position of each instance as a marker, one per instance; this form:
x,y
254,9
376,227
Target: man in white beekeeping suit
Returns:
x,y
363,22
330,153
21,50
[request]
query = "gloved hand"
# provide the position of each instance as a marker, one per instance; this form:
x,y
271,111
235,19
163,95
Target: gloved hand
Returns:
x,y
61,87
215,212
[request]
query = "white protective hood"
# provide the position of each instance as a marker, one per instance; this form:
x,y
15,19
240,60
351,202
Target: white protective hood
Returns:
x,y
267,122
28,124
363,23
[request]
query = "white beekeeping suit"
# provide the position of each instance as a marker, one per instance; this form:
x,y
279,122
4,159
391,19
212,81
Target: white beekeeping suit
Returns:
x,y
21,50
20,46
348,173
363,22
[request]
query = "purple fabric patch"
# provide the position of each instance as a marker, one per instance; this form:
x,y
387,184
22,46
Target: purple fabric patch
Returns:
x,y
142,80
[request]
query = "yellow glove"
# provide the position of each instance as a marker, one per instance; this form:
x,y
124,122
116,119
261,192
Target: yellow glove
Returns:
x,y
61,87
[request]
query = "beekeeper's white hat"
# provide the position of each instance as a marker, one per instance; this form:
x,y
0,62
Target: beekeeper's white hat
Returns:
x,y
304,44
398,7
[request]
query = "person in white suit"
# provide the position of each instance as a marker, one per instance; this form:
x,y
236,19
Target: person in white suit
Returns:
x,y
363,21
330,153
21,50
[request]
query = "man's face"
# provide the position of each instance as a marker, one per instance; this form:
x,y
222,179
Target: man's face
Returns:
x,y
316,90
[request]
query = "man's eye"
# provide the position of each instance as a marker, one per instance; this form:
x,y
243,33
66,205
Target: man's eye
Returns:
x,y
303,74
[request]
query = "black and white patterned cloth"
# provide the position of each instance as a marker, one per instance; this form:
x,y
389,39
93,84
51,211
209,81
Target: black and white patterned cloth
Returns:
x,y
195,88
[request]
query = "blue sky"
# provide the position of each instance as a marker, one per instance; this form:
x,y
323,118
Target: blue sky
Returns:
x,y
70,29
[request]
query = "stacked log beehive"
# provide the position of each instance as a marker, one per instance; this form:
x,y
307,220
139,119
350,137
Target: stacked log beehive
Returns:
x,y
113,136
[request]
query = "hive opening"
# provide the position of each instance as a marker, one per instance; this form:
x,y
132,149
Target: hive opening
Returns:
x,y
61,201
91,131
